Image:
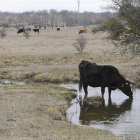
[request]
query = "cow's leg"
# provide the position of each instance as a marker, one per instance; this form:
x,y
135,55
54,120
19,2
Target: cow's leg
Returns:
x,y
109,92
109,103
102,91
85,89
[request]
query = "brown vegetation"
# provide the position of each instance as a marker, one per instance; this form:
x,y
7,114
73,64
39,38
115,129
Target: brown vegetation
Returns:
x,y
51,58
96,101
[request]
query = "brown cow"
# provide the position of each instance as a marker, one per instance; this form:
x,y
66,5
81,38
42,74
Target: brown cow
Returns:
x,y
82,31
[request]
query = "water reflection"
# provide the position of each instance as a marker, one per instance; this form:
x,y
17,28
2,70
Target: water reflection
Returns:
x,y
103,113
119,115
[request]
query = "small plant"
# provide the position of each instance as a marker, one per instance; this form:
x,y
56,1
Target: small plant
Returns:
x,y
35,26
40,26
95,101
2,33
80,43
26,34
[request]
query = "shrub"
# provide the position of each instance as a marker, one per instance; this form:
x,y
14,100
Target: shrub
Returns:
x,y
80,43
96,101
26,34
2,33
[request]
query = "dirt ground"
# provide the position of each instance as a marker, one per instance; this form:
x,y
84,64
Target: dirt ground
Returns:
x,y
37,111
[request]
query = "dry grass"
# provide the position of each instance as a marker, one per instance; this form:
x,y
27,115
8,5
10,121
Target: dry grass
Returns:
x,y
29,111
37,111
95,101
50,56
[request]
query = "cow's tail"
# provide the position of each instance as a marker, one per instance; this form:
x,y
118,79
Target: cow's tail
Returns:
x,y
80,84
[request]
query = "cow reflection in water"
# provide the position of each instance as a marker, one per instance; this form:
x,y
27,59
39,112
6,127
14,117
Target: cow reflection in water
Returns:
x,y
102,113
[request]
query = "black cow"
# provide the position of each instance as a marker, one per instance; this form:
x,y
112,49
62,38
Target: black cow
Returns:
x,y
36,30
58,29
21,31
102,76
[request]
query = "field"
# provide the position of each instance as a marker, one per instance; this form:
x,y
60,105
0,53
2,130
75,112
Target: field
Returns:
x,y
37,111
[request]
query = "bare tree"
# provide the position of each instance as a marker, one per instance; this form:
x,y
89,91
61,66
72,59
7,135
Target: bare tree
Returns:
x,y
27,34
80,43
53,17
45,18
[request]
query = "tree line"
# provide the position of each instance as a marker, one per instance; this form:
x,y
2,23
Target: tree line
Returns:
x,y
52,18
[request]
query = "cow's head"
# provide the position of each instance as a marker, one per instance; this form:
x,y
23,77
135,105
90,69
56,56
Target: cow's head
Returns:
x,y
126,88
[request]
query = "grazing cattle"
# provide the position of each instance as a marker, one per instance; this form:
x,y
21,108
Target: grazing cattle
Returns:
x,y
82,31
36,30
102,76
21,31
58,29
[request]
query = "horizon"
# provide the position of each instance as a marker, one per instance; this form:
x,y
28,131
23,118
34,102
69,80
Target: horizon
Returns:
x,y
51,9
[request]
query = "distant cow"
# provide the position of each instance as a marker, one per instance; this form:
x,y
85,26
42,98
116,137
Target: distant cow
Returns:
x,y
58,29
21,31
95,30
83,31
36,30
102,76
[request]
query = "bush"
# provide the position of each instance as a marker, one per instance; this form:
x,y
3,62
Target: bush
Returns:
x,y
80,43
27,34
2,33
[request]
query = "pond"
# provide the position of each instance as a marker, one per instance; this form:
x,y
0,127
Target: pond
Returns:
x,y
119,115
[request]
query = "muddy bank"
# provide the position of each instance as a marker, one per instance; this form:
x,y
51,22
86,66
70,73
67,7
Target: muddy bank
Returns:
x,y
61,73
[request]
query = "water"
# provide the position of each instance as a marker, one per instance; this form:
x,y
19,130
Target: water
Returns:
x,y
7,81
119,115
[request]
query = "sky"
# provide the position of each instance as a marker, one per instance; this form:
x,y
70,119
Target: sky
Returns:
x,y
71,5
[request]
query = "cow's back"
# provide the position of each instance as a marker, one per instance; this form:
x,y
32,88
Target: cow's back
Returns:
x,y
92,75
111,76
98,75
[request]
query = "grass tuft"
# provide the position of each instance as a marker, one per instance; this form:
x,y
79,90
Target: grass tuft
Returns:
x,y
94,100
